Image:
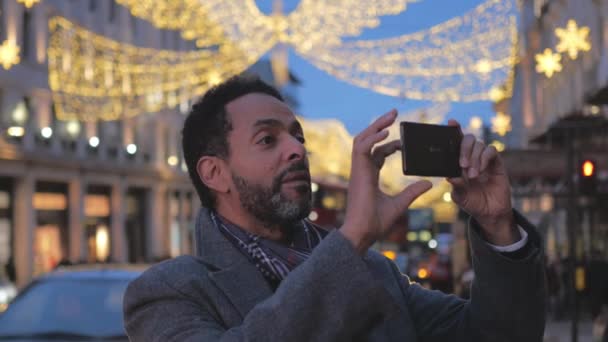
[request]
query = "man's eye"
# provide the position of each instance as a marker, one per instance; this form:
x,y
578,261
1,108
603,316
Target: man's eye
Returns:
x,y
267,140
301,139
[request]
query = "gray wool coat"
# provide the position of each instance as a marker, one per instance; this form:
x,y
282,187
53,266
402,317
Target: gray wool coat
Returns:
x,y
335,295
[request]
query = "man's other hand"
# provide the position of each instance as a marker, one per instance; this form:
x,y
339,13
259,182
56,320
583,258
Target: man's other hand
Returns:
x,y
484,191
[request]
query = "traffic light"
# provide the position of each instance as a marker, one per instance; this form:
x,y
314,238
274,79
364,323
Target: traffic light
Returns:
x,y
587,177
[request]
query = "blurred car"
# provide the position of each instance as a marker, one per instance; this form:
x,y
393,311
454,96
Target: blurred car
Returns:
x,y
76,303
8,291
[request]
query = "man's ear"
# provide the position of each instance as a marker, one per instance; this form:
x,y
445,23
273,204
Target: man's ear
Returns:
x,y
212,173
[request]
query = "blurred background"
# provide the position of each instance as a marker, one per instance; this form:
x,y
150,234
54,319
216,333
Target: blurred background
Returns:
x,y
93,94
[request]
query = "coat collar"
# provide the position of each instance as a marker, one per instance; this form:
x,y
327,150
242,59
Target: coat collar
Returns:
x,y
234,274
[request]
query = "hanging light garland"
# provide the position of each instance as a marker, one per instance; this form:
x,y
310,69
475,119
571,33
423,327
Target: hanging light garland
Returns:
x,y
464,59
312,23
28,3
467,58
188,16
93,77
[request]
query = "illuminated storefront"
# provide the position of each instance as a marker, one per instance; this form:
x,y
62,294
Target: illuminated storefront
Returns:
x,y
51,238
97,223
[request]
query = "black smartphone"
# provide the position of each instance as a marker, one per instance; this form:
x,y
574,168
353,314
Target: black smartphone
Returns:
x,y
430,150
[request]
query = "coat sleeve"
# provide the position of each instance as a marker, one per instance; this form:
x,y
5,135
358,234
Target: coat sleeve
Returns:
x,y
507,299
330,297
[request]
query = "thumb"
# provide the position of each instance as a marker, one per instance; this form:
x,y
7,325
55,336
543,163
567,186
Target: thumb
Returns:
x,y
410,193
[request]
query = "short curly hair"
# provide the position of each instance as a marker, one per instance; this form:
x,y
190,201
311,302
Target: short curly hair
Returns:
x,y
206,127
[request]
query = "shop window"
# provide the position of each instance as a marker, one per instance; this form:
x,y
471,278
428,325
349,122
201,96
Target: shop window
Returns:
x,y
51,238
47,248
98,243
97,209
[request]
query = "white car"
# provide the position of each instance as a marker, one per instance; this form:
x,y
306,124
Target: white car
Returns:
x,y
8,291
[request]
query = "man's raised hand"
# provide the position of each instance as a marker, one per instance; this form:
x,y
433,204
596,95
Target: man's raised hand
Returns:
x,y
370,212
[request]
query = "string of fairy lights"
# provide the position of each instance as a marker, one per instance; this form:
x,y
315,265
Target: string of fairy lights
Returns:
x,y
467,58
313,22
464,59
96,78
187,16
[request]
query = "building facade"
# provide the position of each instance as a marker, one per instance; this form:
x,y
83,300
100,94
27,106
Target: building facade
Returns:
x,y
560,112
86,192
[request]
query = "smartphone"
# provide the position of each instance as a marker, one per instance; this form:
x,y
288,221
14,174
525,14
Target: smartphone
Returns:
x,y
430,150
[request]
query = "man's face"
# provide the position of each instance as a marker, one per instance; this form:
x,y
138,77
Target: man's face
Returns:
x,y
268,160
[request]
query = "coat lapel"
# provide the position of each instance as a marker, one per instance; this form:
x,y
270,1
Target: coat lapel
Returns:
x,y
236,276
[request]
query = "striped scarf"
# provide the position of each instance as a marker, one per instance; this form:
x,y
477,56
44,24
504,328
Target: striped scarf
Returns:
x,y
273,259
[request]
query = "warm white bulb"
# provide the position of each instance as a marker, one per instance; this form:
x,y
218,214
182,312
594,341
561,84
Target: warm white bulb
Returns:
x,y
46,132
131,149
73,128
172,160
447,197
16,131
94,141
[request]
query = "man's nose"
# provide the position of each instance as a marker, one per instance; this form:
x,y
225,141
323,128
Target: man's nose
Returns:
x,y
296,150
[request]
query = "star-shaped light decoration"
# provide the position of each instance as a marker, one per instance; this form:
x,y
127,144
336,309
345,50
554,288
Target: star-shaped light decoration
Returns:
x,y
548,63
573,39
501,124
28,3
9,54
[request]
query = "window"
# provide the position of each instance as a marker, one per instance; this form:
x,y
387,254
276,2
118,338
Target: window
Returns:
x,y
92,5
26,33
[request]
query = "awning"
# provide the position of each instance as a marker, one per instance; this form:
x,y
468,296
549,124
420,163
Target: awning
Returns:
x,y
585,126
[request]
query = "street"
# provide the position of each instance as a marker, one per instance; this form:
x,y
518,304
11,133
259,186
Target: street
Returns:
x,y
559,331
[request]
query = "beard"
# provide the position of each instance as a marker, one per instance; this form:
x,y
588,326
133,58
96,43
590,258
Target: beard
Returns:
x,y
269,205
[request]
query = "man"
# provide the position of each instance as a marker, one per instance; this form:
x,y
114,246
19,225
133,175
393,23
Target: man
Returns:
x,y
264,273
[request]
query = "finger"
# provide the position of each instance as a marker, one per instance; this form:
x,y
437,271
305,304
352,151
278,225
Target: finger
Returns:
x,y
457,195
410,193
381,123
455,123
466,148
457,181
365,146
489,155
381,152
476,159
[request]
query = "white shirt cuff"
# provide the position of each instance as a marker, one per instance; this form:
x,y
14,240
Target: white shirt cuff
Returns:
x,y
514,247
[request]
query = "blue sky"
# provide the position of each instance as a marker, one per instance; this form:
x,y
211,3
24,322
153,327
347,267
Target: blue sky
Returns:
x,y
322,96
